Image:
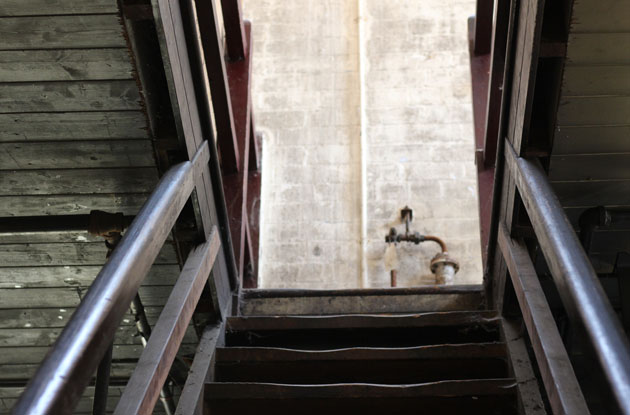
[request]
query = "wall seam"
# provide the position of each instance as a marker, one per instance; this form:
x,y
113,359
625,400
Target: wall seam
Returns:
x,y
363,143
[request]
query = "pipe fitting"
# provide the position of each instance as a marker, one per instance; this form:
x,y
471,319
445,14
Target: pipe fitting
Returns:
x,y
444,267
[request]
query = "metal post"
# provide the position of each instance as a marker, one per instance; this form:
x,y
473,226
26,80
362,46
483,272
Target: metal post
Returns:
x,y
101,387
576,280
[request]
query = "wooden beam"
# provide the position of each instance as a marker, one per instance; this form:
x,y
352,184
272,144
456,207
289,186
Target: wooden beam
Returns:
x,y
192,394
65,65
235,185
74,126
235,37
519,96
143,389
53,96
61,32
529,399
212,44
184,96
483,26
496,82
563,389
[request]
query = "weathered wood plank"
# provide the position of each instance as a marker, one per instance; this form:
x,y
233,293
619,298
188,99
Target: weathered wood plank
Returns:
x,y
16,391
58,32
78,181
591,139
50,237
72,126
530,401
49,297
600,16
605,110
593,193
26,371
55,7
69,96
360,321
16,318
26,355
557,374
599,48
34,355
66,254
280,302
47,336
141,395
126,335
583,167
596,80
84,405
65,65
259,391
152,296
73,276
129,204
192,393
70,154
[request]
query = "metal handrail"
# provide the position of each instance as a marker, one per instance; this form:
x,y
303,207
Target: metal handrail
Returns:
x,y
60,380
580,289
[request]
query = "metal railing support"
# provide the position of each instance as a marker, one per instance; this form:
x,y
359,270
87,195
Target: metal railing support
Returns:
x,y
573,274
60,380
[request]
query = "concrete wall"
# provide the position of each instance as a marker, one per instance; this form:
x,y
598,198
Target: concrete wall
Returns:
x,y
364,107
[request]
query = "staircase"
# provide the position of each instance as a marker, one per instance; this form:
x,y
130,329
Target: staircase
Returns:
x,y
451,362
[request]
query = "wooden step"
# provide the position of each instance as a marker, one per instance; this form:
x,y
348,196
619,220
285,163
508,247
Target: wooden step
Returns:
x,y
363,365
478,396
332,332
361,301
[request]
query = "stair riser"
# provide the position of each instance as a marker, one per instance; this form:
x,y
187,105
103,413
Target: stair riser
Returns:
x,y
322,339
356,371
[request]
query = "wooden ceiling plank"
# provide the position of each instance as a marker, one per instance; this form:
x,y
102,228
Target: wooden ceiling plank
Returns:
x,y
65,65
75,126
110,95
54,32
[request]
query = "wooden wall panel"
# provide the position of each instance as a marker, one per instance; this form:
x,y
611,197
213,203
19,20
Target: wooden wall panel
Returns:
x,y
129,204
78,181
586,139
65,276
601,16
59,32
69,96
584,167
599,48
56,7
594,110
47,336
65,65
593,193
71,154
597,80
65,254
77,126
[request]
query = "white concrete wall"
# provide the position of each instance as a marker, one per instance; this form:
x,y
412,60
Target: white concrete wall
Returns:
x,y
338,83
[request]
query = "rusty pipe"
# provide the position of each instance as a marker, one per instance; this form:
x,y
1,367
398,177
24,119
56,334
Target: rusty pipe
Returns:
x,y
437,240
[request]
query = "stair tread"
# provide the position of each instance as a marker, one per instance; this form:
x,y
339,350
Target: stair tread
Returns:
x,y
442,351
450,318
255,390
